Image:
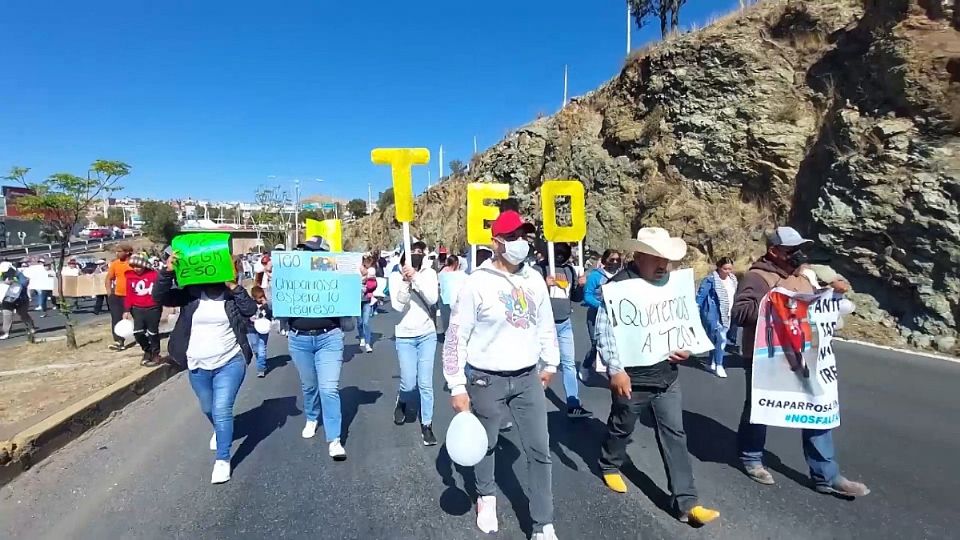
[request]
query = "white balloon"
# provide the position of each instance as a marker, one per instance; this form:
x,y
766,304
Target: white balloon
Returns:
x,y
124,329
262,326
466,440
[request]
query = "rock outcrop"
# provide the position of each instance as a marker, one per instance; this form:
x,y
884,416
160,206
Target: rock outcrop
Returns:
x,y
841,118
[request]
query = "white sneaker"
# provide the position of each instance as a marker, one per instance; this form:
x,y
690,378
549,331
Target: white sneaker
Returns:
x,y
309,430
547,534
213,442
221,472
4,336
713,367
487,514
336,450
363,343
722,373
368,348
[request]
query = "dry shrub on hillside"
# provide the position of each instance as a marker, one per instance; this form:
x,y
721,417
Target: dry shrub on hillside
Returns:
x,y
800,28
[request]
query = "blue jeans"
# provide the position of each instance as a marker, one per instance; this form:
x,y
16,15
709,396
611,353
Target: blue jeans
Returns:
x,y
568,364
217,391
719,339
364,331
817,445
416,356
318,360
258,342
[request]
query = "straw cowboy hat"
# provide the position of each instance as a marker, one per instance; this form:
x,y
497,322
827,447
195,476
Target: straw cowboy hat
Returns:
x,y
657,242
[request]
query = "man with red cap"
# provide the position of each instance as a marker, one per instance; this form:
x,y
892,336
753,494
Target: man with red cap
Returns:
x,y
501,327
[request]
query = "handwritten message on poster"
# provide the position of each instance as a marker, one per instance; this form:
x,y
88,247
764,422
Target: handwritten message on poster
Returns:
x,y
650,321
203,258
312,285
794,369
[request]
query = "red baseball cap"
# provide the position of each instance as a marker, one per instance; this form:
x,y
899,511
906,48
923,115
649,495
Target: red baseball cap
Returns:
x,y
508,222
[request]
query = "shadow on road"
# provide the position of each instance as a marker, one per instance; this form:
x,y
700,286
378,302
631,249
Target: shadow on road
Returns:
x,y
710,441
582,437
255,425
277,362
351,398
455,501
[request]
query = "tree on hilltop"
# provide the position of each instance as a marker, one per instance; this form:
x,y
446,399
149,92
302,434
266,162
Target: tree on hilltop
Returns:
x,y
668,11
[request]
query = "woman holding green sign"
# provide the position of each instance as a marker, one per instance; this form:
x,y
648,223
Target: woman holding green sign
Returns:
x,y
216,314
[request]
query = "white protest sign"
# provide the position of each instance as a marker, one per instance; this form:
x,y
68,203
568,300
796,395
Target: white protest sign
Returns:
x,y
794,369
651,321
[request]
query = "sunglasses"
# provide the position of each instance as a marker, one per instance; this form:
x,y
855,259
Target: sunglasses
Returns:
x,y
515,235
613,261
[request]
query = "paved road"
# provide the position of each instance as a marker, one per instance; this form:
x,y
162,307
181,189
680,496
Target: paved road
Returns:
x,y
53,323
145,473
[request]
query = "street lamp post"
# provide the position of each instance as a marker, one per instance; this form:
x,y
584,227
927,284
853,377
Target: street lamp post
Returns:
x,y
296,211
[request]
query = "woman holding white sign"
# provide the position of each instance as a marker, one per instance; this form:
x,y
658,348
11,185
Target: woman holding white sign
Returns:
x,y
644,377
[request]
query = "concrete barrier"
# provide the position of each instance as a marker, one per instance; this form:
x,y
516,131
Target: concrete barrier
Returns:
x,y
32,445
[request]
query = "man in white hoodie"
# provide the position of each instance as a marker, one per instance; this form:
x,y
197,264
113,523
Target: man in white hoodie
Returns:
x,y
414,291
502,326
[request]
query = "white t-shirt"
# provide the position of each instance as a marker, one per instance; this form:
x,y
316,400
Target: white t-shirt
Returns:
x,y
69,271
212,341
730,287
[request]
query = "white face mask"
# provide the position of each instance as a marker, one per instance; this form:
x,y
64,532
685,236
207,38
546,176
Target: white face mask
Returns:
x,y
516,251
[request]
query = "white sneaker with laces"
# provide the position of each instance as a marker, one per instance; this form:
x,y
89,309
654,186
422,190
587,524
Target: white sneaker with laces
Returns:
x,y
368,348
722,373
363,343
487,514
336,450
547,534
713,367
221,472
309,430
213,442
4,336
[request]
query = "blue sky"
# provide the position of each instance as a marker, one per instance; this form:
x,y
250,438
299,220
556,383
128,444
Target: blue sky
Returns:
x,y
210,98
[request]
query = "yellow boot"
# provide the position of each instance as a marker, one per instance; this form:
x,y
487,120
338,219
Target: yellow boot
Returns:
x,y
615,482
699,515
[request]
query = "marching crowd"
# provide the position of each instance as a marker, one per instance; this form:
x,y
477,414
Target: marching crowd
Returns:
x,y
505,334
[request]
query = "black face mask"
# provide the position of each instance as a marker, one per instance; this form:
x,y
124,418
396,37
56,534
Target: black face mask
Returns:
x,y
797,258
416,260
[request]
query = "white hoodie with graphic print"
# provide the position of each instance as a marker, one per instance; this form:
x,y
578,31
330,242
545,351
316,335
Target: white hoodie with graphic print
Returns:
x,y
501,322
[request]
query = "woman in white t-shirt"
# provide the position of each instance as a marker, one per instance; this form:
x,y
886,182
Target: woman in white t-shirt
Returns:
x,y
217,315
715,300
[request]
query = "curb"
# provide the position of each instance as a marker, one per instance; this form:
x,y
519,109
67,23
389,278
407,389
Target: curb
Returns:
x,y
37,442
934,356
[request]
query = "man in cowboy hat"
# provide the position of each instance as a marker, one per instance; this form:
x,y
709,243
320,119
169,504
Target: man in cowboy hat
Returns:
x,y
654,388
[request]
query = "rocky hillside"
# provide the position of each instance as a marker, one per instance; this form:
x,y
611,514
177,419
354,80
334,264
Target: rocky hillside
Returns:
x,y
841,118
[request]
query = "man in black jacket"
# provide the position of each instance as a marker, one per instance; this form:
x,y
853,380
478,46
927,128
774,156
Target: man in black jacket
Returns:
x,y
654,387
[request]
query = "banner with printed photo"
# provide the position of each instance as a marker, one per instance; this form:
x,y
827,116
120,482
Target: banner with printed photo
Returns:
x,y
794,369
315,284
651,321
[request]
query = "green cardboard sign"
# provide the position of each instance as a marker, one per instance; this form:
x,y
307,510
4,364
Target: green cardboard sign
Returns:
x,y
203,258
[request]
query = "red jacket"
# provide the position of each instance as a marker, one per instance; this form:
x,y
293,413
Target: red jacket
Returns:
x,y
140,289
369,287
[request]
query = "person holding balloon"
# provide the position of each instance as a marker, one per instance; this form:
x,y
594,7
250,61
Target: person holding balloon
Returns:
x,y
258,331
140,308
210,340
500,328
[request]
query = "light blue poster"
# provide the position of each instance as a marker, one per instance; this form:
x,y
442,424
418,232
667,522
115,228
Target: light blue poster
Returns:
x,y
315,284
450,284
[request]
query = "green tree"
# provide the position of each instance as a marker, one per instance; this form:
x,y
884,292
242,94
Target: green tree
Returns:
x,y
357,207
114,217
269,217
63,201
160,221
385,199
457,167
667,11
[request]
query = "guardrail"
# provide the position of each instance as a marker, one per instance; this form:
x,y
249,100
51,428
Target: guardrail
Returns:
x,y
16,254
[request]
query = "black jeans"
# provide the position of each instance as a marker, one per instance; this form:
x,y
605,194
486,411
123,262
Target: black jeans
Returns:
x,y
98,304
667,407
146,328
115,303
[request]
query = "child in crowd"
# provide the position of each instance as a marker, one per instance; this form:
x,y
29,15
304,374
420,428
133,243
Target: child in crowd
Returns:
x,y
258,341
